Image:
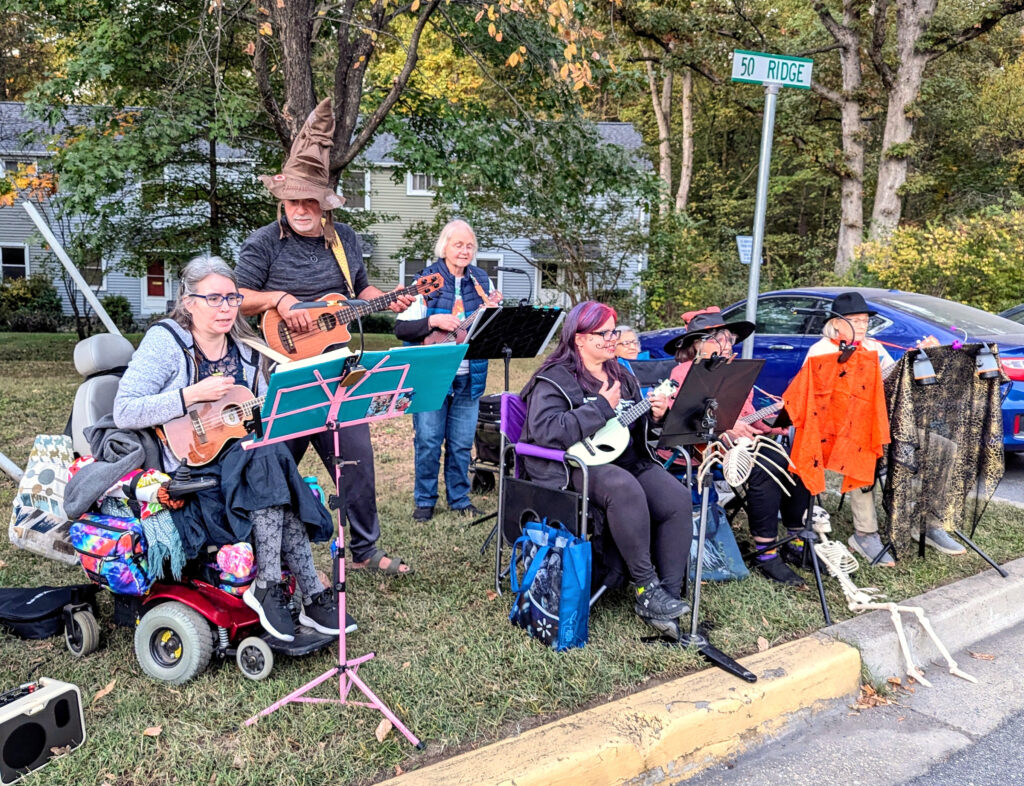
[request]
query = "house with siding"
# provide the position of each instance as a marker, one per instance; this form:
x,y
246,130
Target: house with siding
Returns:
x,y
516,267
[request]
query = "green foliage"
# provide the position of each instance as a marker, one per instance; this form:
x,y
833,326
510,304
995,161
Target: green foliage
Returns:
x,y
30,304
974,260
687,269
120,310
579,200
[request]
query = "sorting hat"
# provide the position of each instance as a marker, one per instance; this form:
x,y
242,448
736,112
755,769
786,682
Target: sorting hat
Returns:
x,y
851,303
706,324
306,171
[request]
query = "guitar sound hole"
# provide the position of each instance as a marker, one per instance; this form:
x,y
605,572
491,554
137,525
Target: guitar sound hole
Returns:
x,y
606,448
286,336
326,322
232,415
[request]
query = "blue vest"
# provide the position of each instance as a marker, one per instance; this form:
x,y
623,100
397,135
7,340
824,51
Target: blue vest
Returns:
x,y
442,301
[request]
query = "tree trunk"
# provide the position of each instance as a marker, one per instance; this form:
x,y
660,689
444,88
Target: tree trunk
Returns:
x,y
686,161
213,199
851,176
662,103
903,87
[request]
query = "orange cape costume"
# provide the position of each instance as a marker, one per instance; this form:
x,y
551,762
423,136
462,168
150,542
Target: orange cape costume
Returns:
x,y
840,417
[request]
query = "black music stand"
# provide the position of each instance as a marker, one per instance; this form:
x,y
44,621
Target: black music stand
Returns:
x,y
713,390
512,332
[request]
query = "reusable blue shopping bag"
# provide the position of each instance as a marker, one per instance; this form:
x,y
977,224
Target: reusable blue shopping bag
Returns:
x,y
552,602
722,558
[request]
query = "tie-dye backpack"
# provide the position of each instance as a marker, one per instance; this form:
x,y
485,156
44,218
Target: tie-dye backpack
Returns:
x,y
113,552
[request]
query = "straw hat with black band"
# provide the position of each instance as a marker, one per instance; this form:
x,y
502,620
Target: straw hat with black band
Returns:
x,y
707,324
306,171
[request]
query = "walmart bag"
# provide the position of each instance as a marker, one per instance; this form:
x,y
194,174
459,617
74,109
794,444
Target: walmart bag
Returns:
x,y
553,600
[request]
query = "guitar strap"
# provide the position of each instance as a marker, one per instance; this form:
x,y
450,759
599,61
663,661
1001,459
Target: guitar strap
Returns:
x,y
340,257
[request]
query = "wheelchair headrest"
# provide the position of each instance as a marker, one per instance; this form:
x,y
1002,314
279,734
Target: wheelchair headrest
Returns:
x,y
102,352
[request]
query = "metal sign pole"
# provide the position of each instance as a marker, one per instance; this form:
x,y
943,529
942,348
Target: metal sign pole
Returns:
x,y
65,260
771,95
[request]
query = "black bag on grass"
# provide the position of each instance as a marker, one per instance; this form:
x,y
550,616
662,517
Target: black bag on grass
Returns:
x,y
38,612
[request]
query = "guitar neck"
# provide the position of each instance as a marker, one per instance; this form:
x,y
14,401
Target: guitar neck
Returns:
x,y
372,306
762,413
627,416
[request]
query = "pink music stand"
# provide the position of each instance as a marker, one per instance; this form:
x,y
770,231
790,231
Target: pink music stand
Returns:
x,y
297,398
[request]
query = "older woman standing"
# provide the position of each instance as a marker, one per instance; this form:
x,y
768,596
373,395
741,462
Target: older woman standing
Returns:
x,y
197,356
466,289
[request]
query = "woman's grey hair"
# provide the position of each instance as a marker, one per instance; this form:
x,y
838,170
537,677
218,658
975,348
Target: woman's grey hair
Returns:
x,y
197,269
625,329
441,246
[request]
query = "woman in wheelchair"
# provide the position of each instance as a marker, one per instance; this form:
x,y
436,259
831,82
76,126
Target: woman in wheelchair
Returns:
x,y
197,355
648,513
707,336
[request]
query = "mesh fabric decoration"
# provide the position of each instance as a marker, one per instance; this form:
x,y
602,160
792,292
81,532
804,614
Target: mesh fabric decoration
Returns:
x,y
946,454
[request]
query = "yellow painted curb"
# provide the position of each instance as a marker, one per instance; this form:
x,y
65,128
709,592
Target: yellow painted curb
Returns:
x,y
679,727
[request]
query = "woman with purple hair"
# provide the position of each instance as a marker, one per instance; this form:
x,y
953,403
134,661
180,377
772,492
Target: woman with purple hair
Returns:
x,y
648,512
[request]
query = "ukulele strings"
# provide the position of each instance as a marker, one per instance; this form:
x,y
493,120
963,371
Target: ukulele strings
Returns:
x,y
218,418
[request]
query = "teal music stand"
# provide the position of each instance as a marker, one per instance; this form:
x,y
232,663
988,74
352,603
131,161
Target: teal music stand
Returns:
x,y
331,392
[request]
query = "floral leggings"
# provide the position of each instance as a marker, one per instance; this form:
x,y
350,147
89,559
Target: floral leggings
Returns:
x,y
277,533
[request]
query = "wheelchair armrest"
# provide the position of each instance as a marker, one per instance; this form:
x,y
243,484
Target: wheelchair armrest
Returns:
x,y
536,451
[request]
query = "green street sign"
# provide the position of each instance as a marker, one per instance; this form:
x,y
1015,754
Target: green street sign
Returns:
x,y
760,68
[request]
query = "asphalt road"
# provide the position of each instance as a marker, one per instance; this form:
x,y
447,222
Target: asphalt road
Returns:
x,y
1011,489
956,732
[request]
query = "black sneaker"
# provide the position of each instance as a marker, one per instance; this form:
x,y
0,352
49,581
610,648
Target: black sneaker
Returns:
x,y
269,603
423,514
470,511
794,554
652,602
321,614
778,571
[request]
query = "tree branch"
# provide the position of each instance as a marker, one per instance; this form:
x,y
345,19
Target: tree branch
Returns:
x,y
878,35
947,43
262,70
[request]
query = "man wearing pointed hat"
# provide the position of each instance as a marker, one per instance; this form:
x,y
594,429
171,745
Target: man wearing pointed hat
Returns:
x,y
709,336
301,257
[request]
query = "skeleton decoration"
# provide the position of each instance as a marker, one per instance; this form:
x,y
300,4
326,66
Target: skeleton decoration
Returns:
x,y
738,458
841,563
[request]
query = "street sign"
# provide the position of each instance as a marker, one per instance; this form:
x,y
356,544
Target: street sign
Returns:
x,y
760,68
745,245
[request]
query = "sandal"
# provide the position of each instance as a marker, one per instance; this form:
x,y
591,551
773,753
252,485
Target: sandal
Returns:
x,y
394,567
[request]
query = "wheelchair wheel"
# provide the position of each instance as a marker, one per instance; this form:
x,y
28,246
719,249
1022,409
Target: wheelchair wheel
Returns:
x,y
173,643
83,634
254,657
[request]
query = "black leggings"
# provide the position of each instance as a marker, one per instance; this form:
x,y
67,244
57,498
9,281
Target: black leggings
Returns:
x,y
649,518
765,500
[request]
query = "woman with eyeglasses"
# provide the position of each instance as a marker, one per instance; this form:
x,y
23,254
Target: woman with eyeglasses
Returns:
x,y
647,512
197,355
708,336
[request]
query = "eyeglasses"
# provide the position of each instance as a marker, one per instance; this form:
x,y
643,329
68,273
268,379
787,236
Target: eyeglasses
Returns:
x,y
216,300
862,321
630,343
608,335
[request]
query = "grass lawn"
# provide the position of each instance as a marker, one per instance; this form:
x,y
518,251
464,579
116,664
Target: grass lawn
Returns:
x,y
448,662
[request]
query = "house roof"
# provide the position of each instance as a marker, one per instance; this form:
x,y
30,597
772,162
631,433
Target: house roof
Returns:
x,y
21,135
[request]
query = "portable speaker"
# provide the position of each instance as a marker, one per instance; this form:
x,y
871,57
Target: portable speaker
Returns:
x,y
35,719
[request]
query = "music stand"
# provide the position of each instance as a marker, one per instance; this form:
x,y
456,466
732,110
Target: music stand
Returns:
x,y
330,392
514,332
713,391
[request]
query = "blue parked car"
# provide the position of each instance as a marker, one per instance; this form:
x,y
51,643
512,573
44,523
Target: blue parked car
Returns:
x,y
783,337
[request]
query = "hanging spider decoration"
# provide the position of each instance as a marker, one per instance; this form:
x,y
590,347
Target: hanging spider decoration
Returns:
x,y
738,458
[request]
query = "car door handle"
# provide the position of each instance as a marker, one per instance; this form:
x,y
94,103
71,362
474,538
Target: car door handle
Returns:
x,y
788,347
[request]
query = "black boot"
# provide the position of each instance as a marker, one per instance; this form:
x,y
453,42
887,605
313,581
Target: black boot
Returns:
x,y
778,571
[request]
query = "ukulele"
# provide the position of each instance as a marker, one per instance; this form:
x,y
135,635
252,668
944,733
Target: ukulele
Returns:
x,y
458,335
197,437
330,321
608,442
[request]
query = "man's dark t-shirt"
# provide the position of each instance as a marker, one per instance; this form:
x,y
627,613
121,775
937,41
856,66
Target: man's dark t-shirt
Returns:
x,y
301,266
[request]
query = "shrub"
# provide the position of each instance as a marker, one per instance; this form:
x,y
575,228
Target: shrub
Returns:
x,y
376,323
30,301
973,260
120,310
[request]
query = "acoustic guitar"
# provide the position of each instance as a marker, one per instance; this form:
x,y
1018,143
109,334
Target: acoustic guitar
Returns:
x,y
608,442
198,437
330,321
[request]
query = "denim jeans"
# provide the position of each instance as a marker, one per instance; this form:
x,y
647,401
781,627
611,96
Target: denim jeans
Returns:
x,y
454,424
